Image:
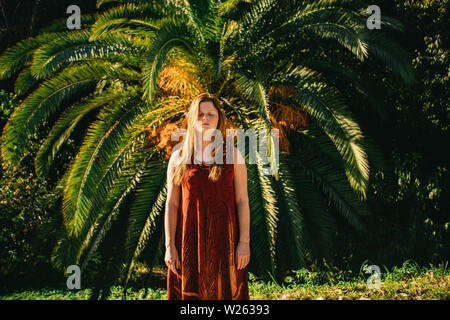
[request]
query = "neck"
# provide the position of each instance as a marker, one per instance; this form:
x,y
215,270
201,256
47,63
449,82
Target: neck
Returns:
x,y
202,143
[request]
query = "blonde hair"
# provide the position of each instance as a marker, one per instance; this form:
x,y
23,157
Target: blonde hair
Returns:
x,y
189,143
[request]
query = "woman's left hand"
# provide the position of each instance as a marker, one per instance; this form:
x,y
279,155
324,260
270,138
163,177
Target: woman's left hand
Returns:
x,y
242,255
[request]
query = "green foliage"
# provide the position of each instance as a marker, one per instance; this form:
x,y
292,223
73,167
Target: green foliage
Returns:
x,y
28,212
405,283
410,201
8,102
29,215
113,192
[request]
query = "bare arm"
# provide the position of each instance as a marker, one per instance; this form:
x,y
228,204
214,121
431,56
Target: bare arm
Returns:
x,y
171,213
243,209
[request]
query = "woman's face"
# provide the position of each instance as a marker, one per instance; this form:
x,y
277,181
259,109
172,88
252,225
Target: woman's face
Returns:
x,y
208,117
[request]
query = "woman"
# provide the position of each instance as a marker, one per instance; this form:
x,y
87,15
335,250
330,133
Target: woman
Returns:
x,y
207,218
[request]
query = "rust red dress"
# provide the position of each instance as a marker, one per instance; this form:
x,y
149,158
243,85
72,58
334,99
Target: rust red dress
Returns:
x,y
206,238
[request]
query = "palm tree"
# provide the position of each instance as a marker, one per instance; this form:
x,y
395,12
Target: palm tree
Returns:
x,y
134,69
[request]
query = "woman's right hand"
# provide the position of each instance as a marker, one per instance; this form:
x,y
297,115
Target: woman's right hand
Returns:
x,y
171,258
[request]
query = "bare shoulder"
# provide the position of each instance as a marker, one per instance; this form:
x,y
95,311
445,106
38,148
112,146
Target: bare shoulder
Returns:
x,y
175,158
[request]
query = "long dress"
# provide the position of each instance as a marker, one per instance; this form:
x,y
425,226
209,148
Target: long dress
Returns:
x,y
206,238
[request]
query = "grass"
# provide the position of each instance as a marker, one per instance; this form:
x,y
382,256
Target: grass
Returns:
x,y
409,282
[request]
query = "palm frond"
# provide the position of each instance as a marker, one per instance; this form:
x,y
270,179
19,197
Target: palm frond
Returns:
x,y
263,220
75,46
24,82
256,91
60,25
67,123
327,177
146,214
393,55
105,141
339,75
129,178
326,106
136,18
170,35
16,57
257,17
318,224
49,98
222,8
328,20
290,238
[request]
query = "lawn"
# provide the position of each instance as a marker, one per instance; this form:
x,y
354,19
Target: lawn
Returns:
x,y
408,282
